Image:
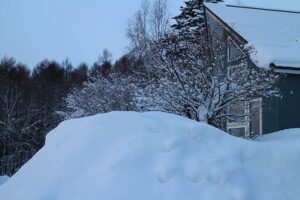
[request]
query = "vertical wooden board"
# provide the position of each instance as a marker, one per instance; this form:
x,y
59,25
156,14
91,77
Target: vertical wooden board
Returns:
x,y
270,114
281,113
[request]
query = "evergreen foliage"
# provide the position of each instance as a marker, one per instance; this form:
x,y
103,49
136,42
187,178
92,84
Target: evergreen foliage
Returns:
x,y
191,17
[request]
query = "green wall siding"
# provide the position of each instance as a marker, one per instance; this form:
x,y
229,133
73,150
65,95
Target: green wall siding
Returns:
x,y
283,112
277,113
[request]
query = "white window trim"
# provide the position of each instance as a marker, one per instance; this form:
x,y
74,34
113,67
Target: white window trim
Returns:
x,y
229,39
246,123
241,125
260,115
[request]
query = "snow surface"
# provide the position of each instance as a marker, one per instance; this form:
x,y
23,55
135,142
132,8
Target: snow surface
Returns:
x,y
275,36
147,156
3,179
273,4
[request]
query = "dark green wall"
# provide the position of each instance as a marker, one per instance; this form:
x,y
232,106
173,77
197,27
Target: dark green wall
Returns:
x,y
278,113
283,112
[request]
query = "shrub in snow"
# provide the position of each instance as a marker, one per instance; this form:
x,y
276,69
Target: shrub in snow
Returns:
x,y
195,81
98,95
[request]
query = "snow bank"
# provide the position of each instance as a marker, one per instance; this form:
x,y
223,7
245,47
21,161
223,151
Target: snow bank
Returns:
x,y
132,156
3,179
288,137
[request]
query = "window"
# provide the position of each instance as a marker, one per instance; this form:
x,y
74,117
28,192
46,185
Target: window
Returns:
x,y
255,107
238,131
239,112
247,120
238,125
234,52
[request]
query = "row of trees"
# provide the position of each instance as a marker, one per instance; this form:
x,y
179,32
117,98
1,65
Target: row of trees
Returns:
x,y
32,103
29,101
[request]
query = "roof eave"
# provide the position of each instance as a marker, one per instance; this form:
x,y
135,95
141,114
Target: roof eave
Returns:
x,y
226,26
285,69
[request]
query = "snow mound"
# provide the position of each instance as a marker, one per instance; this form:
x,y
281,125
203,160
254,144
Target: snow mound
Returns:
x,y
147,156
3,179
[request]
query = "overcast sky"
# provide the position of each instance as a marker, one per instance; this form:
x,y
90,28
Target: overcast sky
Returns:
x,y
32,30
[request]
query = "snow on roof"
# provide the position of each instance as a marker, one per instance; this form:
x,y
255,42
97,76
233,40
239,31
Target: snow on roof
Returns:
x,y
274,4
274,34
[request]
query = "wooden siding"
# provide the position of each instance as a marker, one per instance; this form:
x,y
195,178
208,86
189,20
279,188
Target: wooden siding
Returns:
x,y
213,26
284,112
220,30
217,25
278,113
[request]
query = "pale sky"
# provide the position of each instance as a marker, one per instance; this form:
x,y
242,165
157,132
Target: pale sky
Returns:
x,y
32,30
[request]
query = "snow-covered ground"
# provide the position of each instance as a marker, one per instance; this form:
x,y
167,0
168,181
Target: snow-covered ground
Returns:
x,y
3,179
157,156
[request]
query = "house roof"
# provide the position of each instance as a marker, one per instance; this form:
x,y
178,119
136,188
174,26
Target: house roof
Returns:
x,y
274,4
274,34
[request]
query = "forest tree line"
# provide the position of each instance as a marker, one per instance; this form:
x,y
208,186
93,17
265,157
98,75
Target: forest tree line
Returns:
x,y
33,102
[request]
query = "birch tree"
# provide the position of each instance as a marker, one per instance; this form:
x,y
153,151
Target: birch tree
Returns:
x,y
150,23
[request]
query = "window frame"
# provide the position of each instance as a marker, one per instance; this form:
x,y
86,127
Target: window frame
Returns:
x,y
246,123
232,41
245,127
260,116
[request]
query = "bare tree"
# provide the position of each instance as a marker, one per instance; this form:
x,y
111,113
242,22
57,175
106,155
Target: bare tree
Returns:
x,y
159,19
148,24
18,112
137,30
106,57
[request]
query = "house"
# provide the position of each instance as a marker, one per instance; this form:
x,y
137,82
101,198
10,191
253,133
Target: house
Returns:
x,y
275,37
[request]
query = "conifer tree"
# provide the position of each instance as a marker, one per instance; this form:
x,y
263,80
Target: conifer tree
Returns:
x,y
191,17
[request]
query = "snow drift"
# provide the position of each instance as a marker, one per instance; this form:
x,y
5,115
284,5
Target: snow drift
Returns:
x,y
3,179
156,156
